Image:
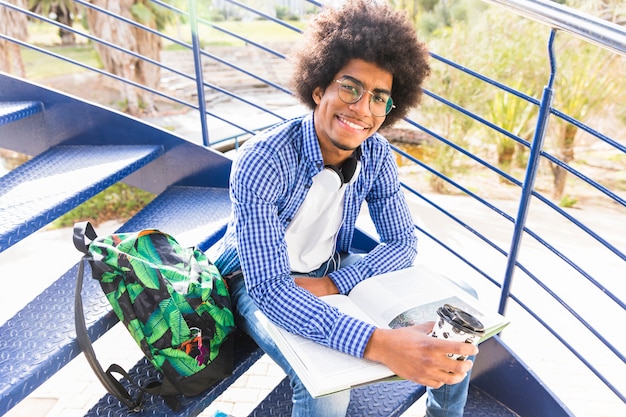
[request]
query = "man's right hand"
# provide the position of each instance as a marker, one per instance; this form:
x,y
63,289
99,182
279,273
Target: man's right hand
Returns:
x,y
413,354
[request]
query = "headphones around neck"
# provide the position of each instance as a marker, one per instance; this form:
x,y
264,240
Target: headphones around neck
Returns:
x,y
334,178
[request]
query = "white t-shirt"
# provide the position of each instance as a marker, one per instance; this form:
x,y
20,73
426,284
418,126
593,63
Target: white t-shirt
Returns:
x,y
311,235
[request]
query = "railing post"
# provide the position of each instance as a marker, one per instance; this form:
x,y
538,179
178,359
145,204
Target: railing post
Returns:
x,y
197,59
529,178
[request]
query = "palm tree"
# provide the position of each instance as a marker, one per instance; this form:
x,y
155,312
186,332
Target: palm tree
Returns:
x,y
64,12
586,80
135,39
15,25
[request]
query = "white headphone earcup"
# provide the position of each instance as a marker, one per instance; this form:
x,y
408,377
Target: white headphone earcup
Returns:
x,y
330,179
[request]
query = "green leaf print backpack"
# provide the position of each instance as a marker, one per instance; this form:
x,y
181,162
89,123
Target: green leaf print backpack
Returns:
x,y
174,303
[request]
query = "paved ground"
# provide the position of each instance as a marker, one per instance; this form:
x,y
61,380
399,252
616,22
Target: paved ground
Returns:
x,y
73,390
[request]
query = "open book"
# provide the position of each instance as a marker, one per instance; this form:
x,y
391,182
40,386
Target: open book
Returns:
x,y
396,299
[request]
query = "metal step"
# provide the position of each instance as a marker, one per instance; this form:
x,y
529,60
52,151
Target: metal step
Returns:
x,y
385,399
40,339
246,354
58,180
17,110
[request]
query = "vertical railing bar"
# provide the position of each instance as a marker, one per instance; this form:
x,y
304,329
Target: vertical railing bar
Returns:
x,y
197,60
529,179
590,28
217,58
584,228
520,141
123,80
530,232
541,284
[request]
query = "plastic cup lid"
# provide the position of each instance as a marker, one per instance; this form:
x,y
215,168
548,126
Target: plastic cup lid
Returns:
x,y
462,319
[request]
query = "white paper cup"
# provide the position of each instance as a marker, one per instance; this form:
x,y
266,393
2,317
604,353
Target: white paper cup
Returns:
x,y
458,325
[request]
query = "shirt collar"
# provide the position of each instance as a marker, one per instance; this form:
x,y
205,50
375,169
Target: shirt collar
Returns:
x,y
311,146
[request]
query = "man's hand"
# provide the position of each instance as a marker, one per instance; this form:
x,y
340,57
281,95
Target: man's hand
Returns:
x,y
412,354
317,286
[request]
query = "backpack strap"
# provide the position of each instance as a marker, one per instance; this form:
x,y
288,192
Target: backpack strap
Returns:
x,y
83,231
112,385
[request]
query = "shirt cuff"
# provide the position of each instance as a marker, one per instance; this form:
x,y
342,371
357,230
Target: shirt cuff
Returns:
x,y
351,336
346,278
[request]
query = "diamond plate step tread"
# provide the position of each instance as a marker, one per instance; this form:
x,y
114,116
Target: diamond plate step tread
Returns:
x,y
480,404
40,339
381,399
385,399
12,111
51,184
246,354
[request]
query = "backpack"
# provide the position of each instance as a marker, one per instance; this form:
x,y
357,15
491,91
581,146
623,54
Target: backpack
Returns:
x,y
171,299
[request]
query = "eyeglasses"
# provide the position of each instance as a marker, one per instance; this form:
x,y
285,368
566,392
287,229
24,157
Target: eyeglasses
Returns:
x,y
350,91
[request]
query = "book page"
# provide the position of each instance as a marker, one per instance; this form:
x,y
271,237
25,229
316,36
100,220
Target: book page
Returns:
x,y
413,295
331,362
324,370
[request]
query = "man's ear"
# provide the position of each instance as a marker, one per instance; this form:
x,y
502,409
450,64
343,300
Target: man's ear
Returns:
x,y
318,92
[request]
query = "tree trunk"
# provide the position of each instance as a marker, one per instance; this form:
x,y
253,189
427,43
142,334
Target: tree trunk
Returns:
x,y
564,152
437,185
15,25
505,154
148,74
64,16
505,160
121,63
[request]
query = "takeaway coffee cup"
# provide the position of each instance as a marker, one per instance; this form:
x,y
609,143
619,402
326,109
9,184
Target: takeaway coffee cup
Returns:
x,y
458,325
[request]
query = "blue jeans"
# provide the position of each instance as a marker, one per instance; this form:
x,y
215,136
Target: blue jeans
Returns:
x,y
447,401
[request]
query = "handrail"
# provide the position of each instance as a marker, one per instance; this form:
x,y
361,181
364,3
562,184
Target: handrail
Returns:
x,y
593,29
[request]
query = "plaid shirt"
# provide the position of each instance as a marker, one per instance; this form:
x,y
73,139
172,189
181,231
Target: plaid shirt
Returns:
x,y
269,182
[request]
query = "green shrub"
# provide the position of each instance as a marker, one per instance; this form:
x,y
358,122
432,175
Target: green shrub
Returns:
x,y
118,202
568,201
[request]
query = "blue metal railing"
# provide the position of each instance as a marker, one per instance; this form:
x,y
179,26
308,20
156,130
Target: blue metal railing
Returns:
x,y
195,48
593,30
561,20
529,179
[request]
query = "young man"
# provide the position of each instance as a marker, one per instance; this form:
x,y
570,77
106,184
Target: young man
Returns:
x,y
297,190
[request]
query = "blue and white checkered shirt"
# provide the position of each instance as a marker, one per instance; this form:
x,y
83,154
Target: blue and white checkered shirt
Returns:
x,y
269,182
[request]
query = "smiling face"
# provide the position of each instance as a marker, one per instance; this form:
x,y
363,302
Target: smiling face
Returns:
x,y
342,127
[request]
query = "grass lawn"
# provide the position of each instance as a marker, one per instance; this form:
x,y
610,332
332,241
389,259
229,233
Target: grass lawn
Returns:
x,y
41,65
260,31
